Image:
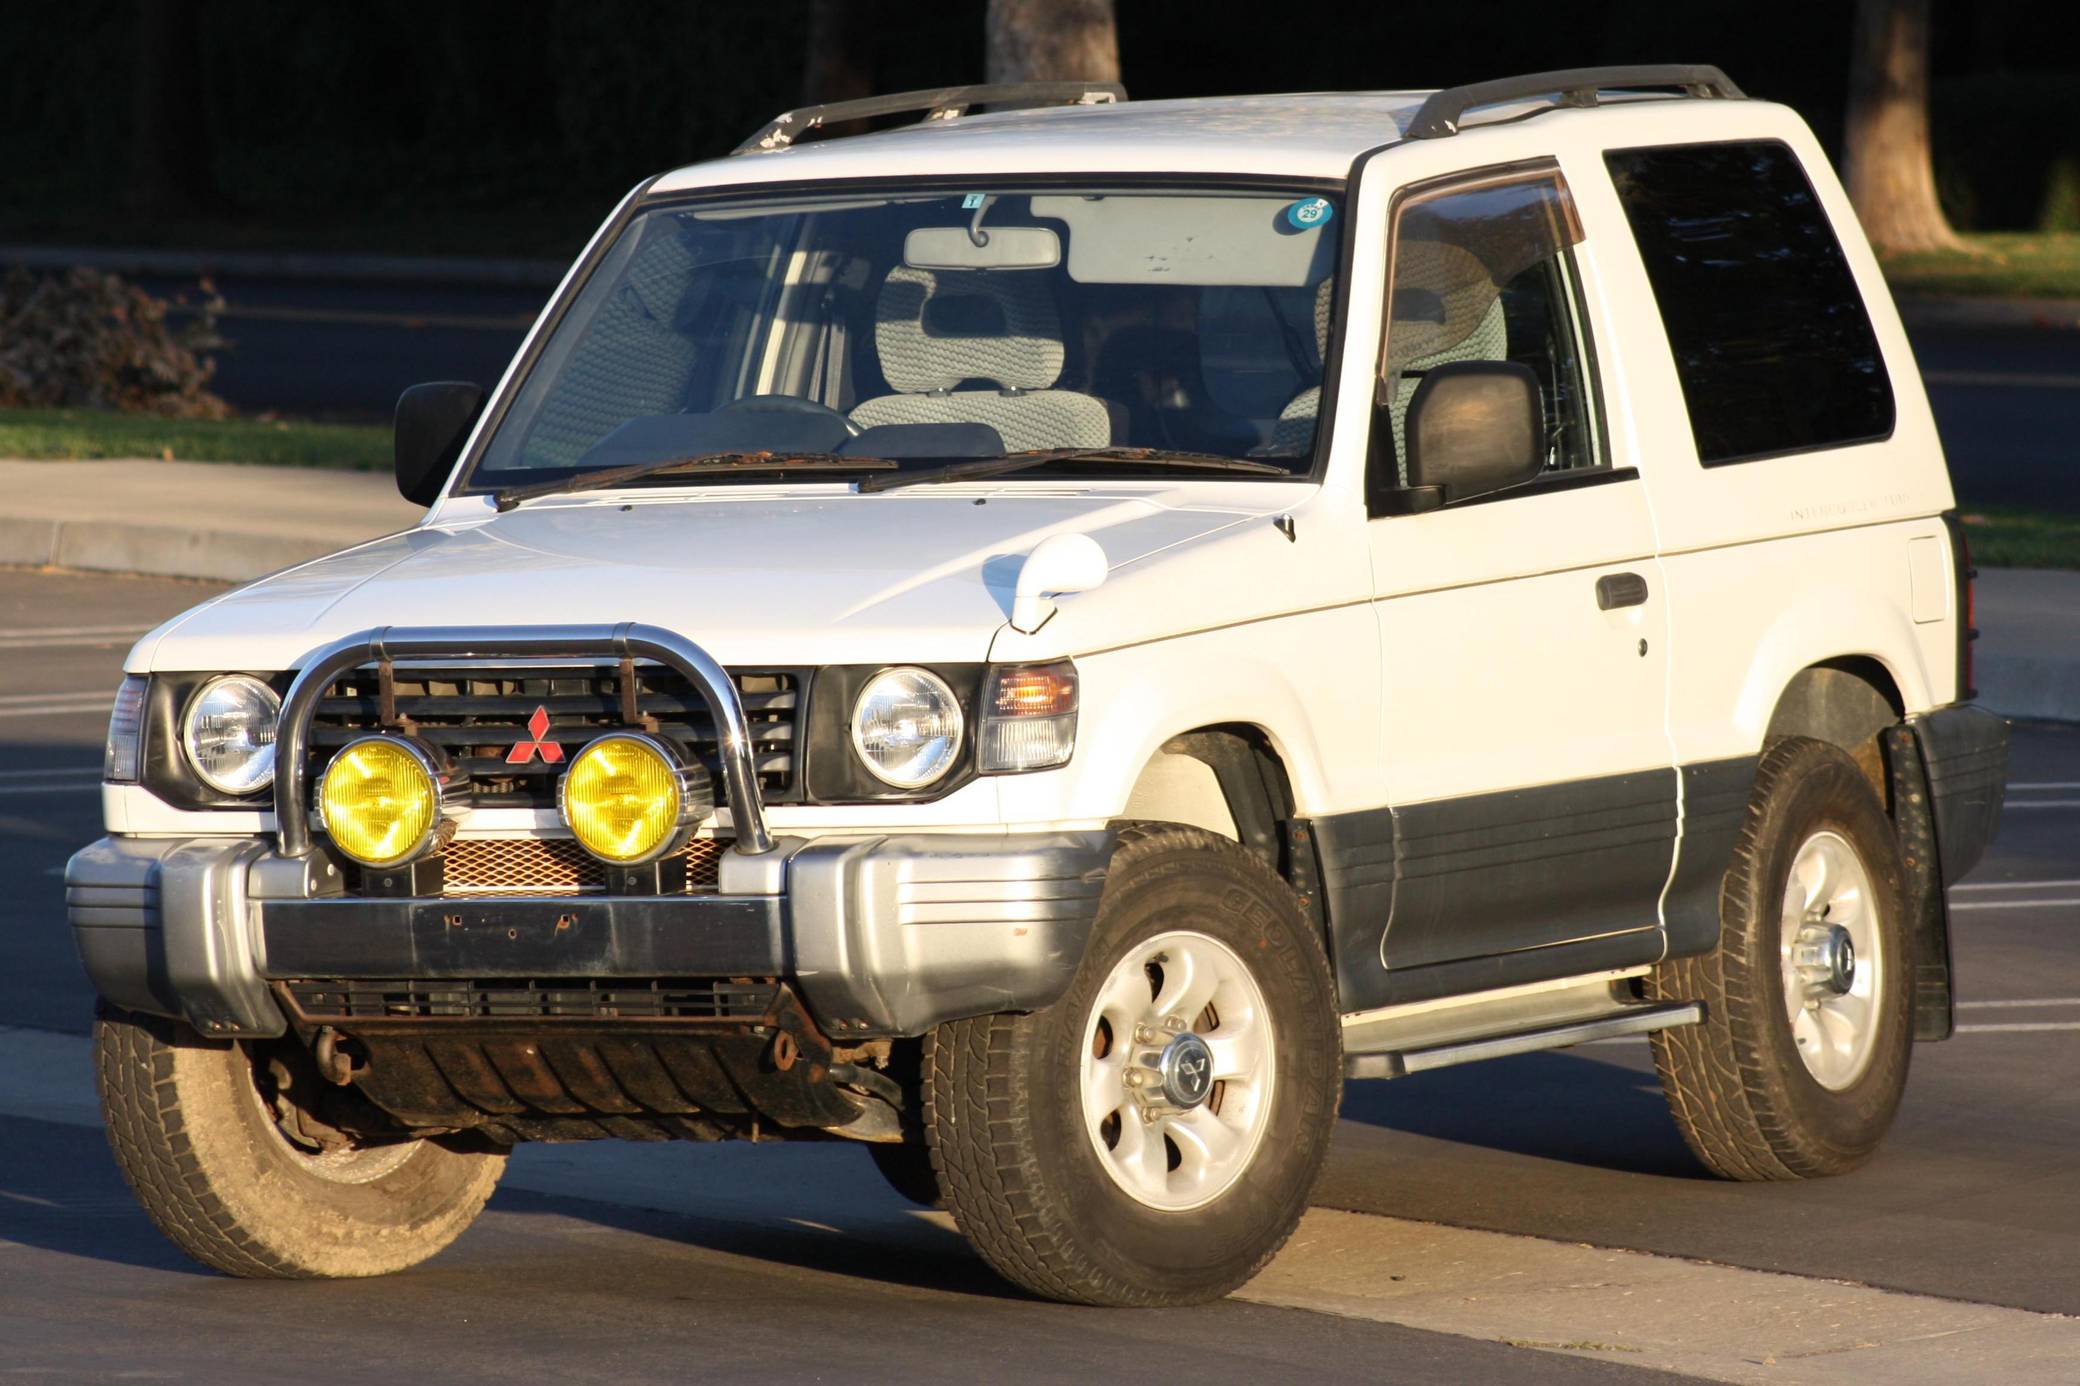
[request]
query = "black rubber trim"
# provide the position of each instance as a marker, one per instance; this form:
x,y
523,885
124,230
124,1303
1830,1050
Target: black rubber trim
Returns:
x,y
1928,904
1966,751
1494,875
1715,804
590,936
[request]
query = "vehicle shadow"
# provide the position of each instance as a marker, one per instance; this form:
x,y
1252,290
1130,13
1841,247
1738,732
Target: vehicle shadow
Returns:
x,y
60,1191
1570,1106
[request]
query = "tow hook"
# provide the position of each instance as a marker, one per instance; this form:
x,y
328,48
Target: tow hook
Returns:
x,y
334,1062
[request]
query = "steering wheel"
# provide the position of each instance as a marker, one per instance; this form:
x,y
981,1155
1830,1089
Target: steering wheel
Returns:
x,y
790,404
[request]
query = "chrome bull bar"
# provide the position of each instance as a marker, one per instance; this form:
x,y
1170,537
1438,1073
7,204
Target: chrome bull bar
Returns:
x,y
471,644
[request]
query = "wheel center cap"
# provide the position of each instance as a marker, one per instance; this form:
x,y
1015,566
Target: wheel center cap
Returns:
x,y
1841,961
1826,959
1187,1069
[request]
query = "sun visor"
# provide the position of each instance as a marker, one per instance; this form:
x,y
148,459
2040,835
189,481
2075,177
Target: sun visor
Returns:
x,y
1152,239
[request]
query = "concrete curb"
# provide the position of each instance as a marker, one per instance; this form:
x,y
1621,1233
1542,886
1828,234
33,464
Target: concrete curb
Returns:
x,y
363,269
100,546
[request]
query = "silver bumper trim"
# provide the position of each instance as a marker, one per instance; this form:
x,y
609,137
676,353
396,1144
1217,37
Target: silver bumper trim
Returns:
x,y
884,935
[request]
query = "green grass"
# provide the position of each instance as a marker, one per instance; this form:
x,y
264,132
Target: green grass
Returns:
x,y
2005,265
2002,538
89,433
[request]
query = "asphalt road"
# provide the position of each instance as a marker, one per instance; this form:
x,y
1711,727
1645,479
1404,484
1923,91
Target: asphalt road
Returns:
x,y
2007,402
1976,1196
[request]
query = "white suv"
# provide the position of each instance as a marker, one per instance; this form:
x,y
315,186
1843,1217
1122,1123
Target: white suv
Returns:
x,y
1044,641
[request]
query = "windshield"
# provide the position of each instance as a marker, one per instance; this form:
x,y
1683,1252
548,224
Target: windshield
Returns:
x,y
939,326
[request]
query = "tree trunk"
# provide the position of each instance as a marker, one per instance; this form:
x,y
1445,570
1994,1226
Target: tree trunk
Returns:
x,y
1051,40
1890,177
170,164
839,65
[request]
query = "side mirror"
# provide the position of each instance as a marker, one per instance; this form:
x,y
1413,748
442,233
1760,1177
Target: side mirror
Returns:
x,y
1473,427
432,421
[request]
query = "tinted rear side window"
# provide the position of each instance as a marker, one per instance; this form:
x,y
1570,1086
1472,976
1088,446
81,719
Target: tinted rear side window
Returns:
x,y
1771,341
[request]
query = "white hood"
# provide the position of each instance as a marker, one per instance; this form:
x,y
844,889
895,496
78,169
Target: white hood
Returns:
x,y
772,577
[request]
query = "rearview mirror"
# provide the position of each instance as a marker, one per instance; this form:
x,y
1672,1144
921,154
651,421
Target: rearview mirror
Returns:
x,y
1000,248
432,422
1473,427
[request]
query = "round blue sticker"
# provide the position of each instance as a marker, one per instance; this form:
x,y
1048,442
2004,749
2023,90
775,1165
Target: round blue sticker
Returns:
x,y
1309,212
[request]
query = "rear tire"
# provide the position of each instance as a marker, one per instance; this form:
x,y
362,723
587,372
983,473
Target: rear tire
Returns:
x,y
1080,1184
1796,1072
216,1174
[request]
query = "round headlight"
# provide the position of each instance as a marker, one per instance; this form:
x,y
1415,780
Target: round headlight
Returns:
x,y
380,801
906,726
228,734
631,799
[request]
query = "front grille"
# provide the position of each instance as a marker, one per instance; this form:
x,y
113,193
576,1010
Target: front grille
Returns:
x,y
480,716
696,998
555,866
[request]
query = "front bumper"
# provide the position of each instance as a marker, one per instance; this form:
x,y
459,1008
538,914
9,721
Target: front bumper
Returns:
x,y
882,935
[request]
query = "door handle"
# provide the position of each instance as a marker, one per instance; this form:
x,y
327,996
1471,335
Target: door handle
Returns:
x,y
1614,590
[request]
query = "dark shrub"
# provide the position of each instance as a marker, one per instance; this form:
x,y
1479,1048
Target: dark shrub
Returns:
x,y
84,339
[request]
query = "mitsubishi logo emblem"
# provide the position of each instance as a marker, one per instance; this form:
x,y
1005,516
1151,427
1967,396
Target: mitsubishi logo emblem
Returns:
x,y
538,731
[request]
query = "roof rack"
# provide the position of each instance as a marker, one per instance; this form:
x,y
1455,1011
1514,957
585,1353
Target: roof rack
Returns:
x,y
937,103
1575,86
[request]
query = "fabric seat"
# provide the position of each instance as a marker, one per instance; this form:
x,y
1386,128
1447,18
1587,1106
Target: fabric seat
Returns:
x,y
1446,308
1294,431
936,329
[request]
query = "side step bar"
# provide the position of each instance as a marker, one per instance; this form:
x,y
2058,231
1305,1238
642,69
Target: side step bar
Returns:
x,y
1632,1020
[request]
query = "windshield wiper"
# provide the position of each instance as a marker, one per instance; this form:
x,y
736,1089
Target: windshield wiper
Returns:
x,y
1019,461
706,462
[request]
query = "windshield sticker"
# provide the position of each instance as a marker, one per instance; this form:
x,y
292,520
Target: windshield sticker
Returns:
x,y
972,201
1309,213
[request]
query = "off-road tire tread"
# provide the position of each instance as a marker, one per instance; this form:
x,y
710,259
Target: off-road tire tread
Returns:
x,y
145,1130
134,1060
1716,1075
974,1103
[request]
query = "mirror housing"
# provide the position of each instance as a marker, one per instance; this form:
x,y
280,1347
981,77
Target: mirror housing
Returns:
x,y
1473,427
432,422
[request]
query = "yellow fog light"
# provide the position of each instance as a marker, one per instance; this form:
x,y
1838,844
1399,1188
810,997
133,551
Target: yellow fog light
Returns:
x,y
382,798
630,798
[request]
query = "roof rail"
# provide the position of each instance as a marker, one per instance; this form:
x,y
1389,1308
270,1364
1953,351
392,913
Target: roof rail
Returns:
x,y
1575,86
937,103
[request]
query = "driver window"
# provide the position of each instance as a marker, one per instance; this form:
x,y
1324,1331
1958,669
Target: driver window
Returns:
x,y
1484,271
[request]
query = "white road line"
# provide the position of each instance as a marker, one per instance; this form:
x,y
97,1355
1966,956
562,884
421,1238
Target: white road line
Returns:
x,y
2014,885
2020,380
19,791
2030,1004
2012,904
56,709
55,772
2045,803
2033,1025
2048,784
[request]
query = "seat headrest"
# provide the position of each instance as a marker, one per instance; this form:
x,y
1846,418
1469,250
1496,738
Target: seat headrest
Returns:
x,y
936,328
1442,296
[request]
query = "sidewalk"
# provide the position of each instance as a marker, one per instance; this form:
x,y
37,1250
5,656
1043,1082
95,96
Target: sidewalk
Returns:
x,y
189,519
2028,659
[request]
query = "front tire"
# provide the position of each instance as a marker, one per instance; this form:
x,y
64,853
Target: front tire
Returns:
x,y
1151,1138
1800,1063
219,1177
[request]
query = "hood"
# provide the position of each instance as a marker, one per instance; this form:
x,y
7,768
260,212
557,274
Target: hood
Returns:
x,y
770,578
